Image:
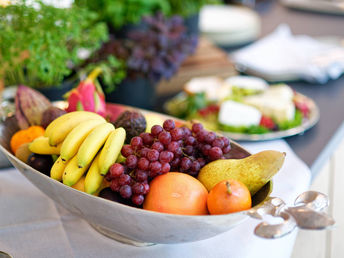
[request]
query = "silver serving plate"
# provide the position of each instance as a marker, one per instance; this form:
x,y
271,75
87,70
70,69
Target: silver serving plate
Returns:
x,y
141,227
306,124
323,6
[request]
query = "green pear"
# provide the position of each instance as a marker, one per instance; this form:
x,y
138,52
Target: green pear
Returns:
x,y
254,171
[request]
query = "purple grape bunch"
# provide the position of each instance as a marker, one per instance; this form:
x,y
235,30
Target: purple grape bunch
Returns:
x,y
160,47
166,148
154,50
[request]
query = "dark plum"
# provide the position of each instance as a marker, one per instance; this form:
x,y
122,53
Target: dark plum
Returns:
x,y
110,195
42,163
50,114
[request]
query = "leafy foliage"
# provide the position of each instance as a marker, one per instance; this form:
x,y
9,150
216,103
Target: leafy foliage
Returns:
x,y
188,7
285,125
121,12
186,106
195,102
113,72
39,44
253,129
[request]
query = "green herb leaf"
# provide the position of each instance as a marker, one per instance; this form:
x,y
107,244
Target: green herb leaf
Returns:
x,y
39,46
195,102
285,125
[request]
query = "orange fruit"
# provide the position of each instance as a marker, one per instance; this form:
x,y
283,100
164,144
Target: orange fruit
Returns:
x,y
25,136
228,196
177,193
80,185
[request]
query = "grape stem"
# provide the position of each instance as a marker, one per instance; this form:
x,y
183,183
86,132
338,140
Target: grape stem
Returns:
x,y
228,185
186,155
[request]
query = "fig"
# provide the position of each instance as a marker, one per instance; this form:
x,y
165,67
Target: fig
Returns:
x,y
42,163
50,114
133,122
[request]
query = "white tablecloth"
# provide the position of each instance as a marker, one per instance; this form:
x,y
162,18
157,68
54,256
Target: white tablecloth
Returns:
x,y
32,225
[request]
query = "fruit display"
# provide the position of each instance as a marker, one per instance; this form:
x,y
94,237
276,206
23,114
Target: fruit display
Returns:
x,y
167,166
170,170
240,104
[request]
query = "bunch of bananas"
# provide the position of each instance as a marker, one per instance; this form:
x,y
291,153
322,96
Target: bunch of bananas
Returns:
x,y
85,142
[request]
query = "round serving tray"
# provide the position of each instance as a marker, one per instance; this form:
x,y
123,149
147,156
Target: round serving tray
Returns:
x,y
312,119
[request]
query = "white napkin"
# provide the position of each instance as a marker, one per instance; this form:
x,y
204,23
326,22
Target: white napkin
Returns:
x,y
283,56
32,225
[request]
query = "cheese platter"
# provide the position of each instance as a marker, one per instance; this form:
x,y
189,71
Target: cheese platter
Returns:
x,y
245,107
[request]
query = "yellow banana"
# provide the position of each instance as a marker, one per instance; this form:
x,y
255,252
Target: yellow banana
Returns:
x,y
93,177
111,150
40,145
72,172
57,169
92,144
74,139
58,129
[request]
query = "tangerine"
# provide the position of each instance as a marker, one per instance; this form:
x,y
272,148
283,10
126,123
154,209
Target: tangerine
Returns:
x,y
228,196
177,193
25,136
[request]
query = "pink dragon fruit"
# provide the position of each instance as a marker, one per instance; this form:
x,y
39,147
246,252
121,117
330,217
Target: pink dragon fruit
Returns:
x,y
87,96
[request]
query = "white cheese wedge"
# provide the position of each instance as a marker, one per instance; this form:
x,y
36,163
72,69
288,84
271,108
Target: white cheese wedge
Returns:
x,y
213,87
236,114
276,102
248,82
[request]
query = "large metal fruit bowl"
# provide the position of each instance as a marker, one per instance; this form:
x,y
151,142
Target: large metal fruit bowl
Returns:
x,y
124,223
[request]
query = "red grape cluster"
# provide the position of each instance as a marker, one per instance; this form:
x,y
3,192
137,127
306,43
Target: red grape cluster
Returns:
x,y
167,148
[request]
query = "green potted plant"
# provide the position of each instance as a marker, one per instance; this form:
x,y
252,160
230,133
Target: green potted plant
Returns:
x,y
189,10
148,55
124,15
40,44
